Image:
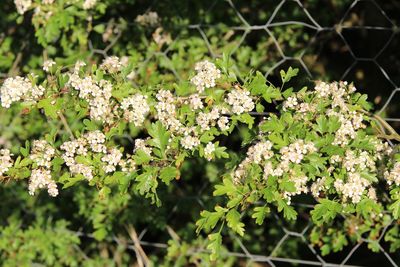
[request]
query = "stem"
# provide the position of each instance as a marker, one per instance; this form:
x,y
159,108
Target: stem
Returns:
x,y
392,132
66,126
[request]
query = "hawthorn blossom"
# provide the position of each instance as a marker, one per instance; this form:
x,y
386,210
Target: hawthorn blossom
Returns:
x,y
240,101
207,74
6,162
135,109
22,5
18,88
41,178
209,150
48,64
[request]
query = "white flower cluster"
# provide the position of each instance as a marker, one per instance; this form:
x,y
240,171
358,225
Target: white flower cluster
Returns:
x,y
41,178
48,64
22,5
166,110
300,183
290,103
135,109
48,2
338,93
318,186
393,176
209,150
262,154
240,100
295,152
148,19
111,64
113,159
19,88
89,4
93,141
195,102
42,153
353,188
97,94
140,144
190,142
259,152
207,74
6,161
208,119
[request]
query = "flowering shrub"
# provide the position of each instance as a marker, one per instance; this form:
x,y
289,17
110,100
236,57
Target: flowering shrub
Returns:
x,y
320,141
162,139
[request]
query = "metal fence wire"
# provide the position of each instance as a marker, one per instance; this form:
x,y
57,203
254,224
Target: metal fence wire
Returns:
x,y
372,62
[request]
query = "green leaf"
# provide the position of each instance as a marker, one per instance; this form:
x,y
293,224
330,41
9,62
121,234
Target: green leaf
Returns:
x,y
246,118
227,188
147,182
100,234
168,174
259,214
50,106
215,245
258,85
287,76
160,138
209,219
395,208
325,211
141,157
233,221
288,211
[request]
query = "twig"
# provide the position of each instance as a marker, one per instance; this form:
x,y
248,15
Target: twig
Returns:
x,y
66,126
141,255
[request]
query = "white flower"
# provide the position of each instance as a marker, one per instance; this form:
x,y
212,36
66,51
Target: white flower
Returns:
x,y
140,144
260,151
290,103
209,150
96,94
195,102
353,188
113,158
41,178
240,101
223,123
393,176
190,142
148,19
19,88
48,64
323,89
96,141
207,74
42,153
135,109
22,5
111,64
88,4
86,171
6,161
